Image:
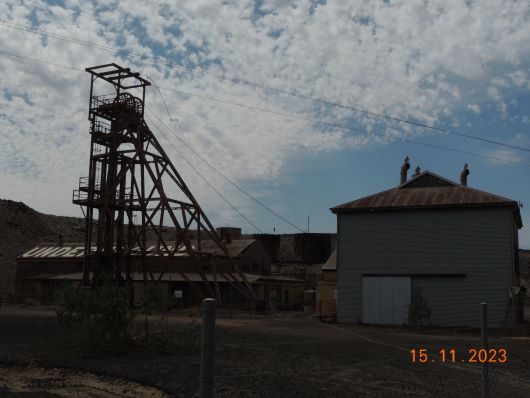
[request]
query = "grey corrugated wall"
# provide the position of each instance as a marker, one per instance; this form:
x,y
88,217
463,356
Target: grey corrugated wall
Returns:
x,y
476,242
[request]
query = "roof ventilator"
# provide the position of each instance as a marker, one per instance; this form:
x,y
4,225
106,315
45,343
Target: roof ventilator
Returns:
x,y
404,170
463,175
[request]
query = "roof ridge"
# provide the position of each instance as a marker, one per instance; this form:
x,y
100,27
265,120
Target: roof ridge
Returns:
x,y
428,172
448,194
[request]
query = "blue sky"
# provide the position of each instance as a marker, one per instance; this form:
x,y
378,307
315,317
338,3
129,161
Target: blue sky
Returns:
x,y
462,66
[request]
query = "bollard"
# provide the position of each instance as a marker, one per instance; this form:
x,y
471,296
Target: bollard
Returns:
x,y
484,343
207,348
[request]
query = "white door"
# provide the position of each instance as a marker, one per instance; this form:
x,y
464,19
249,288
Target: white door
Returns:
x,y
386,299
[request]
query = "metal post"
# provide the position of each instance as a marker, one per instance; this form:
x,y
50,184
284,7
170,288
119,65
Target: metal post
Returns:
x,y
207,347
484,343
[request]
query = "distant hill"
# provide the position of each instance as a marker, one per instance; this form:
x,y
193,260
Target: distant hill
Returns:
x,y
21,227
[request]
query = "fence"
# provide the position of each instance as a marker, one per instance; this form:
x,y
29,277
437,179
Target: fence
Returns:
x,y
372,361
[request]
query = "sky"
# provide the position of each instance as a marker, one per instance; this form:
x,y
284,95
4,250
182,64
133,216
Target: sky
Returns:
x,y
460,66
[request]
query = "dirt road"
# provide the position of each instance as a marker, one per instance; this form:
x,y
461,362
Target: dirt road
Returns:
x,y
284,356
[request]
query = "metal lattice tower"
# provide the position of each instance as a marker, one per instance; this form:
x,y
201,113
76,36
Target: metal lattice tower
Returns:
x,y
133,189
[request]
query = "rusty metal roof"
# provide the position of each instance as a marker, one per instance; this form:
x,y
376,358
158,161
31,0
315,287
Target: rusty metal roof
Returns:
x,y
428,190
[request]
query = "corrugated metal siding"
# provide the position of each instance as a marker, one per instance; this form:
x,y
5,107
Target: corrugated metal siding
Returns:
x,y
386,299
459,305
476,242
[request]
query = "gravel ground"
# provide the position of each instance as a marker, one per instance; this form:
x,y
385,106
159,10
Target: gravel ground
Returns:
x,y
45,382
275,356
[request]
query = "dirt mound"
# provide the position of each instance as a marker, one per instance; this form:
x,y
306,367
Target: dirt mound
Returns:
x,y
39,382
21,227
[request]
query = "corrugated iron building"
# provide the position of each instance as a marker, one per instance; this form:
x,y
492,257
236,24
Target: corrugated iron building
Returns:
x,y
456,244
326,290
43,268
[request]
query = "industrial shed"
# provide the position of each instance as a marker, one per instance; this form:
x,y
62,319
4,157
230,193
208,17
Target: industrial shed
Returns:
x,y
456,245
43,268
326,290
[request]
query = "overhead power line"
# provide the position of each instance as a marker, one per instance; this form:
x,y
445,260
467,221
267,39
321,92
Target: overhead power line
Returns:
x,y
19,57
161,96
225,177
344,127
238,80
176,149
257,109
205,180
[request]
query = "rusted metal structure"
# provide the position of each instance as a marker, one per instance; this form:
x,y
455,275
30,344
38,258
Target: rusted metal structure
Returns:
x,y
133,189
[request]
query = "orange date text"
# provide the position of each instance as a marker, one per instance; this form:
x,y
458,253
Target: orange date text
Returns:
x,y
471,355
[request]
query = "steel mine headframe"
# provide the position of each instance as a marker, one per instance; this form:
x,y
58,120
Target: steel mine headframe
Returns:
x,y
133,190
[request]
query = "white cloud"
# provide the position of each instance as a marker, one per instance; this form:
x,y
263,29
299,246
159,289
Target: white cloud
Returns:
x,y
519,78
500,82
505,153
496,95
475,108
404,58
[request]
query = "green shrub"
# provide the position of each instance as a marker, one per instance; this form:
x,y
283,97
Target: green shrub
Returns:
x,y
161,337
181,338
97,318
152,300
419,313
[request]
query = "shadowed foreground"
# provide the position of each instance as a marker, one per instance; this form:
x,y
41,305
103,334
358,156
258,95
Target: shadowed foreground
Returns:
x,y
280,356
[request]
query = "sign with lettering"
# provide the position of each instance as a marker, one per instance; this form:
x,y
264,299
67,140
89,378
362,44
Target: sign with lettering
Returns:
x,y
78,250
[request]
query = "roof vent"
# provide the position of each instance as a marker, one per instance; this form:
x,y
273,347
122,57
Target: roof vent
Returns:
x,y
417,172
404,169
463,175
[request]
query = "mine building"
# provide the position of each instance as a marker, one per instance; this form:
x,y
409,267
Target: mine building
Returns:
x,y
326,290
451,245
44,268
300,256
131,194
283,269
